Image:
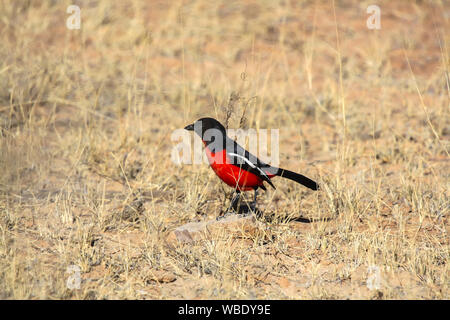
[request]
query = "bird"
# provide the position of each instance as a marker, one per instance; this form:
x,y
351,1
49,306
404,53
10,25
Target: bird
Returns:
x,y
237,167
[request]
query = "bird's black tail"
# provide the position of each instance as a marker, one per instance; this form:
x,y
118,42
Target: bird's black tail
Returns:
x,y
307,182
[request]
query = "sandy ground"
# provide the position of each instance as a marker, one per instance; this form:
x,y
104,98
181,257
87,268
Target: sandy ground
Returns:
x,y
88,190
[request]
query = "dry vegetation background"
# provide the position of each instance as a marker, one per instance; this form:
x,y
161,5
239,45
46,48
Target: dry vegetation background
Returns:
x,y
86,118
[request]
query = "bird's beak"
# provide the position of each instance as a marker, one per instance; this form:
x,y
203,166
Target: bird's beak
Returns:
x,y
189,127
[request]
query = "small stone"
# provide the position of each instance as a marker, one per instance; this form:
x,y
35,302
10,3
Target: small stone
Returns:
x,y
284,283
160,276
238,226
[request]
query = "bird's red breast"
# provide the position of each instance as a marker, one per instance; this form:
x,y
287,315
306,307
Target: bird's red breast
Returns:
x,y
232,175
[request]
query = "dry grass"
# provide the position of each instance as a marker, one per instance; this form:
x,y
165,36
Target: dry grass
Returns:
x,y
86,118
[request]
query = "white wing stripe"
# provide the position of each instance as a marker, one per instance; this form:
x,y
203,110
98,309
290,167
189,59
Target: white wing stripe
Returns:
x,y
248,162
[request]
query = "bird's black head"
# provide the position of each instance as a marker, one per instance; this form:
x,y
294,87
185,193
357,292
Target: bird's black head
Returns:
x,y
204,124
210,130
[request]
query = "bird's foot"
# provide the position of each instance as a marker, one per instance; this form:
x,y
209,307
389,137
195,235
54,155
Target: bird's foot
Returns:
x,y
243,210
248,209
225,214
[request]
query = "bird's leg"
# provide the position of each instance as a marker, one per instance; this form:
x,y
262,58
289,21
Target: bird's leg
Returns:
x,y
235,201
253,204
234,204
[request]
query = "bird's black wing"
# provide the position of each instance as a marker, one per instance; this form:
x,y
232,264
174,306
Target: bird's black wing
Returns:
x,y
247,161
